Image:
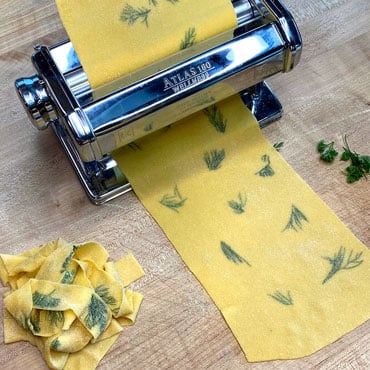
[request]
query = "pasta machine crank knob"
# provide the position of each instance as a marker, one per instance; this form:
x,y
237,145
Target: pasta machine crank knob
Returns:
x,y
36,101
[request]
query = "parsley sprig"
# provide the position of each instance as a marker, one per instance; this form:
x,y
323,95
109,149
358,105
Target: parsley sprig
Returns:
x,y
327,151
360,164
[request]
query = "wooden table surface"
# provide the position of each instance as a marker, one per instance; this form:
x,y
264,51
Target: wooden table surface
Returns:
x,y
326,97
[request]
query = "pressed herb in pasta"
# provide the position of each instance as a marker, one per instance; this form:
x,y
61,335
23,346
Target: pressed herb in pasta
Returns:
x,y
55,317
214,158
103,292
286,299
97,314
55,344
232,255
238,206
216,118
174,201
189,38
69,274
130,14
267,170
338,262
148,127
45,300
134,146
296,219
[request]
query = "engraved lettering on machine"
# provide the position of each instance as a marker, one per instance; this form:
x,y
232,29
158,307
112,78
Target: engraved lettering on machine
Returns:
x,y
188,77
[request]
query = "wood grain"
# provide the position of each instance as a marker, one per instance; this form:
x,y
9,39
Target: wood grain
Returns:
x,y
326,96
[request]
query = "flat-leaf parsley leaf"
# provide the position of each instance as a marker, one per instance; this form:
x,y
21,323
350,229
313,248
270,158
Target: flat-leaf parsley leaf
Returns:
x,y
327,151
360,164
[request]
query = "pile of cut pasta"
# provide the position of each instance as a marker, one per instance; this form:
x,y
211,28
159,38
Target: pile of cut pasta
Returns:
x,y
69,300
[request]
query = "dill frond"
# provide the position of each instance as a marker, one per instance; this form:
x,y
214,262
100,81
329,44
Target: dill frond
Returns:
x,y
130,14
238,205
267,170
296,219
216,118
173,201
214,158
189,38
286,300
338,262
45,300
231,255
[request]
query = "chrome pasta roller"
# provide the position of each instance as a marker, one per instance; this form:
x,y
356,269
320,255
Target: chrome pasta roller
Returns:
x,y
91,124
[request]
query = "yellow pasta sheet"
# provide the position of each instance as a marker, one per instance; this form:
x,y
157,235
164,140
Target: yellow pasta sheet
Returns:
x,y
113,38
287,275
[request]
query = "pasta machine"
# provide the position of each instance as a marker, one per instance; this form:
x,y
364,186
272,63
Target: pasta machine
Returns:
x,y
92,123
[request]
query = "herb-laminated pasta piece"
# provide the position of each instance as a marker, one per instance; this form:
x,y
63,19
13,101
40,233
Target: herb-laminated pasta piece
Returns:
x,y
270,305
138,26
69,320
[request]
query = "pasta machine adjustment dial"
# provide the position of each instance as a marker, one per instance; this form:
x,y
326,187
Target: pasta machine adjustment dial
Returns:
x,y
36,101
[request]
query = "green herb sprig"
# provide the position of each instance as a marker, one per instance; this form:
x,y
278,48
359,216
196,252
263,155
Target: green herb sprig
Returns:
x,y
338,262
360,164
214,158
278,146
216,118
266,171
238,206
103,292
327,151
231,255
173,201
286,300
55,344
296,219
69,274
130,14
189,39
97,313
55,318
34,322
134,146
45,300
